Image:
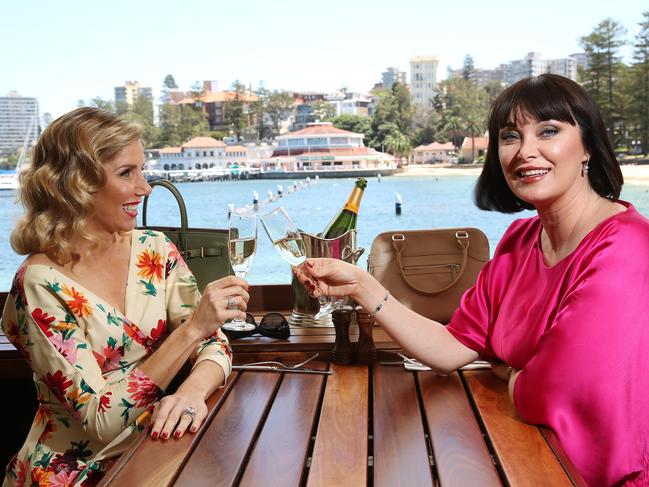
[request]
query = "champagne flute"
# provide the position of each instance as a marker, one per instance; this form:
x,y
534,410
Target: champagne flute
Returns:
x,y
288,242
242,243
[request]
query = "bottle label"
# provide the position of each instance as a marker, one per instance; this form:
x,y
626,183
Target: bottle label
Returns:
x,y
354,201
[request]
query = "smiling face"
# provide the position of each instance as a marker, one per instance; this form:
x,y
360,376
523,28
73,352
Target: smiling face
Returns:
x,y
542,160
115,204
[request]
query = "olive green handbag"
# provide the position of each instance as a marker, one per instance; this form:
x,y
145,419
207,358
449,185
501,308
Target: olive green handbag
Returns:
x,y
204,249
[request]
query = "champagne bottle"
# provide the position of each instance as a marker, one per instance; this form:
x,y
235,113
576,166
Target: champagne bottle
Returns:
x,y
346,218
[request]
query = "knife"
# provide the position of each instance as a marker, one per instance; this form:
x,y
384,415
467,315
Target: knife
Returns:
x,y
268,368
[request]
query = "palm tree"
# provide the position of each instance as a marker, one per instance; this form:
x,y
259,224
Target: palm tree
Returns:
x,y
454,128
398,145
473,126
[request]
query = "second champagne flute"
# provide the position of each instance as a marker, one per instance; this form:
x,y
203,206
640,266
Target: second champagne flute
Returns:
x,y
242,243
288,242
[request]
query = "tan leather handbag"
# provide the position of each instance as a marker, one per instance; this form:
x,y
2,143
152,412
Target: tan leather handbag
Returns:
x,y
429,270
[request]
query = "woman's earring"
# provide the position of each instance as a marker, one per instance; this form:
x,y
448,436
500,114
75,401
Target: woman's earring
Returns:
x,y
584,168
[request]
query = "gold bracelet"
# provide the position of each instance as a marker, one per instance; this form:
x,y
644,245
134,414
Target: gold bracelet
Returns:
x,y
380,305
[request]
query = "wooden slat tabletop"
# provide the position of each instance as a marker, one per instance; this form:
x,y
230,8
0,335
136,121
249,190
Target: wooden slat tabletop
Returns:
x,y
281,450
461,455
376,425
340,452
401,454
520,448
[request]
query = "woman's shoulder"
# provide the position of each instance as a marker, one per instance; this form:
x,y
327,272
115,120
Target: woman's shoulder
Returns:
x,y
626,227
35,266
521,233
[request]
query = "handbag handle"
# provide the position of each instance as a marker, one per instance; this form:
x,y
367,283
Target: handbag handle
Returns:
x,y
399,244
181,203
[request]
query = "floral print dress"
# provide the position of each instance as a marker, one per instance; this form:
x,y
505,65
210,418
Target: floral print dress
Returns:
x,y
85,355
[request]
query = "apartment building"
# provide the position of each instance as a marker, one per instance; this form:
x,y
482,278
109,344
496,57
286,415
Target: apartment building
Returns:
x,y
423,80
19,121
391,76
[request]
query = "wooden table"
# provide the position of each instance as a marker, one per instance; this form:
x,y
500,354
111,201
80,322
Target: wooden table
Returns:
x,y
362,425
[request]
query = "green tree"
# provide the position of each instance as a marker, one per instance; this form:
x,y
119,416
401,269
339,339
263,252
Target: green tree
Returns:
x,y
354,123
259,108
461,103
99,102
638,109
393,109
278,107
468,69
141,112
602,48
235,117
323,110
426,127
179,123
170,82
453,128
398,145
474,126
493,89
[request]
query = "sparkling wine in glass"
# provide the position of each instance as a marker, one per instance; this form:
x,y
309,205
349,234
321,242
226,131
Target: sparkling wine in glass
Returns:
x,y
242,244
288,242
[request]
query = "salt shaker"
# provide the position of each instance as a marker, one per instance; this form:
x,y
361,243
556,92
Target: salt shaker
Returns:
x,y
343,352
365,350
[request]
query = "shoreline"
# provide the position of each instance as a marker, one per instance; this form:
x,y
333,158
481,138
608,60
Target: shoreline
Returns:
x,y
633,174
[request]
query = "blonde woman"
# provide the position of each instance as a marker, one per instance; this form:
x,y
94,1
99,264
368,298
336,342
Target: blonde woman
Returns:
x,y
105,314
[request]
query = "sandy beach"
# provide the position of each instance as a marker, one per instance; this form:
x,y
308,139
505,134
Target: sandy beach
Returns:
x,y
633,174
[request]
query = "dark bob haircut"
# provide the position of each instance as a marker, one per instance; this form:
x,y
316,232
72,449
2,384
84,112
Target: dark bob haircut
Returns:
x,y
547,97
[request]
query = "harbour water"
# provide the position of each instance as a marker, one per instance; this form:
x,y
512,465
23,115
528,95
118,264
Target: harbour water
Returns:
x,y
427,202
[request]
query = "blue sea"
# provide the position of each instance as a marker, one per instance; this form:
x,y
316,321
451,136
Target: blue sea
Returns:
x,y
427,202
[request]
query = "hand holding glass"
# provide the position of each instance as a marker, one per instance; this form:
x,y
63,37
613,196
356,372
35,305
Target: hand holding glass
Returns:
x,y
242,243
288,242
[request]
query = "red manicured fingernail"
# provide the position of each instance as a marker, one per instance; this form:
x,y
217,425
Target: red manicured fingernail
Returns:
x,y
193,429
154,435
165,436
177,434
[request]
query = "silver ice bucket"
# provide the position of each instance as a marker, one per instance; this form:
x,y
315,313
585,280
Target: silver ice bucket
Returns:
x,y
343,247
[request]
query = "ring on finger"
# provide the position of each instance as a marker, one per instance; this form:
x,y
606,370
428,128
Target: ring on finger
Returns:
x,y
232,302
190,411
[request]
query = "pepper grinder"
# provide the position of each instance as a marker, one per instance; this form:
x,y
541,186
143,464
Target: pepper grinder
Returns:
x,y
366,350
343,352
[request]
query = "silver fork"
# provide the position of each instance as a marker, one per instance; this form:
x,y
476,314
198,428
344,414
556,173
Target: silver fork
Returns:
x,y
272,366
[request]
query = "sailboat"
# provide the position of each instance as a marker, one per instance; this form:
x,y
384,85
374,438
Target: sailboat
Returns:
x,y
9,180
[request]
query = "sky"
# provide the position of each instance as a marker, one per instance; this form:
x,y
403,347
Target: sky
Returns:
x,y
64,51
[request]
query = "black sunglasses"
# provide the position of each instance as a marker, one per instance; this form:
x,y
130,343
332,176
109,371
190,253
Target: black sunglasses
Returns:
x,y
272,325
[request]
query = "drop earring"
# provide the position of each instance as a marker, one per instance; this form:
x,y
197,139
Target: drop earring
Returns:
x,y
584,168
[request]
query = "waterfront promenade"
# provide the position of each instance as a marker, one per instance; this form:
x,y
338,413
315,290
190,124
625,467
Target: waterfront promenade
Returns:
x,y
633,173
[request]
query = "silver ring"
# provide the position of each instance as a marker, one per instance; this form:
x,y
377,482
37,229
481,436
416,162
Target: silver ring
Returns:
x,y
232,303
190,411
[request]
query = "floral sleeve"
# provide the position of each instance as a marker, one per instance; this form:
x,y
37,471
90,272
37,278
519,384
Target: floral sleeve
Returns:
x,y
45,320
182,297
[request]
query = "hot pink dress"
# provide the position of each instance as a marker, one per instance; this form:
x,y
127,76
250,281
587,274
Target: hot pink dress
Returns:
x,y
579,331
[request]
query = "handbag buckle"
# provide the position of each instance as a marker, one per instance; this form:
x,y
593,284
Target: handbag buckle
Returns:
x,y
398,236
461,234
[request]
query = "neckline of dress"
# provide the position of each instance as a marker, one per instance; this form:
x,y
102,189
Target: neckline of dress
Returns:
x,y
99,299
567,258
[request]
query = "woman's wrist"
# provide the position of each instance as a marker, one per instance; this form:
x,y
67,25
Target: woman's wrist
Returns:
x,y
190,332
371,294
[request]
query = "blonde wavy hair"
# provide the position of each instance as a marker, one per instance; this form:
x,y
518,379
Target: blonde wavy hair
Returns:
x,y
57,189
